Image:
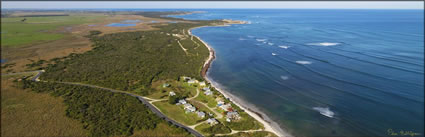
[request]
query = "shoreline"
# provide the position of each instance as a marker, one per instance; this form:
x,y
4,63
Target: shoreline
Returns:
x,y
260,117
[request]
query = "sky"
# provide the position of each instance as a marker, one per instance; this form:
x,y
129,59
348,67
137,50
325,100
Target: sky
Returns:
x,y
215,4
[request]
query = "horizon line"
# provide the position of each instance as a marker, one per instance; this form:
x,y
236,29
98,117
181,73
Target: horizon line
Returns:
x,y
215,8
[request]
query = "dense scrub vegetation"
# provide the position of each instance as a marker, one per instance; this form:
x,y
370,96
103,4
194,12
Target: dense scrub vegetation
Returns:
x,y
217,129
102,113
131,60
245,123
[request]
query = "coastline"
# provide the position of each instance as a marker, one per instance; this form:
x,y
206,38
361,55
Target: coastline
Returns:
x,y
262,118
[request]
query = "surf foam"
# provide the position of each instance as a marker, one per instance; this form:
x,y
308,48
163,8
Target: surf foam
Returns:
x,y
324,44
303,62
284,47
324,111
260,40
284,77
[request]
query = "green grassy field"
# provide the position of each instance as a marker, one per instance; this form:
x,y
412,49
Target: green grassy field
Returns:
x,y
14,32
177,113
178,87
210,100
207,129
25,113
202,127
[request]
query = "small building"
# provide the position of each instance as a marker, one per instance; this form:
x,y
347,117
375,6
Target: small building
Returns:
x,y
165,85
233,115
189,108
187,105
186,78
208,92
212,121
202,83
225,107
201,114
172,93
182,101
192,81
205,88
220,103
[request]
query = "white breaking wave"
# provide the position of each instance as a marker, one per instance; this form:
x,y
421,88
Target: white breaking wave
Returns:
x,y
303,62
284,47
271,44
261,39
242,39
284,77
324,44
249,36
324,111
274,54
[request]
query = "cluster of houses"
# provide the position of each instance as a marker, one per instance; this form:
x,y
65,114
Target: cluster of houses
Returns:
x,y
207,90
231,114
189,108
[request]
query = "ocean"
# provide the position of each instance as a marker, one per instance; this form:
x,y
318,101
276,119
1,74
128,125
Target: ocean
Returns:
x,y
323,72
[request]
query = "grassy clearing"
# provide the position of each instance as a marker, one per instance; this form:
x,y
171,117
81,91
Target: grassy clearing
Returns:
x,y
245,123
210,100
206,129
14,32
25,113
201,127
179,87
177,113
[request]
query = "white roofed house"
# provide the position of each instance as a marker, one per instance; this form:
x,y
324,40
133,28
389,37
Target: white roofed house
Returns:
x,y
186,78
182,101
202,83
233,115
172,93
200,114
212,121
189,108
205,88
220,103
208,92
225,107
192,81
187,105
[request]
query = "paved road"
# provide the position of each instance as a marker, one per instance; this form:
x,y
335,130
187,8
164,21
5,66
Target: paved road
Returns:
x,y
144,101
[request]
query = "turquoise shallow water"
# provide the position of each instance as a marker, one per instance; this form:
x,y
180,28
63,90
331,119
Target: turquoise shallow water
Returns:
x,y
324,72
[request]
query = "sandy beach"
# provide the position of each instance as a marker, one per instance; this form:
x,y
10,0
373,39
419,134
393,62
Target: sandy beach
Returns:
x,y
255,114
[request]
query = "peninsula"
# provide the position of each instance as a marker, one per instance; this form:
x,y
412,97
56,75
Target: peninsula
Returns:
x,y
161,65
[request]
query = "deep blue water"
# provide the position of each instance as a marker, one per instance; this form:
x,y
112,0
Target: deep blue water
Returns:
x,y
324,72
